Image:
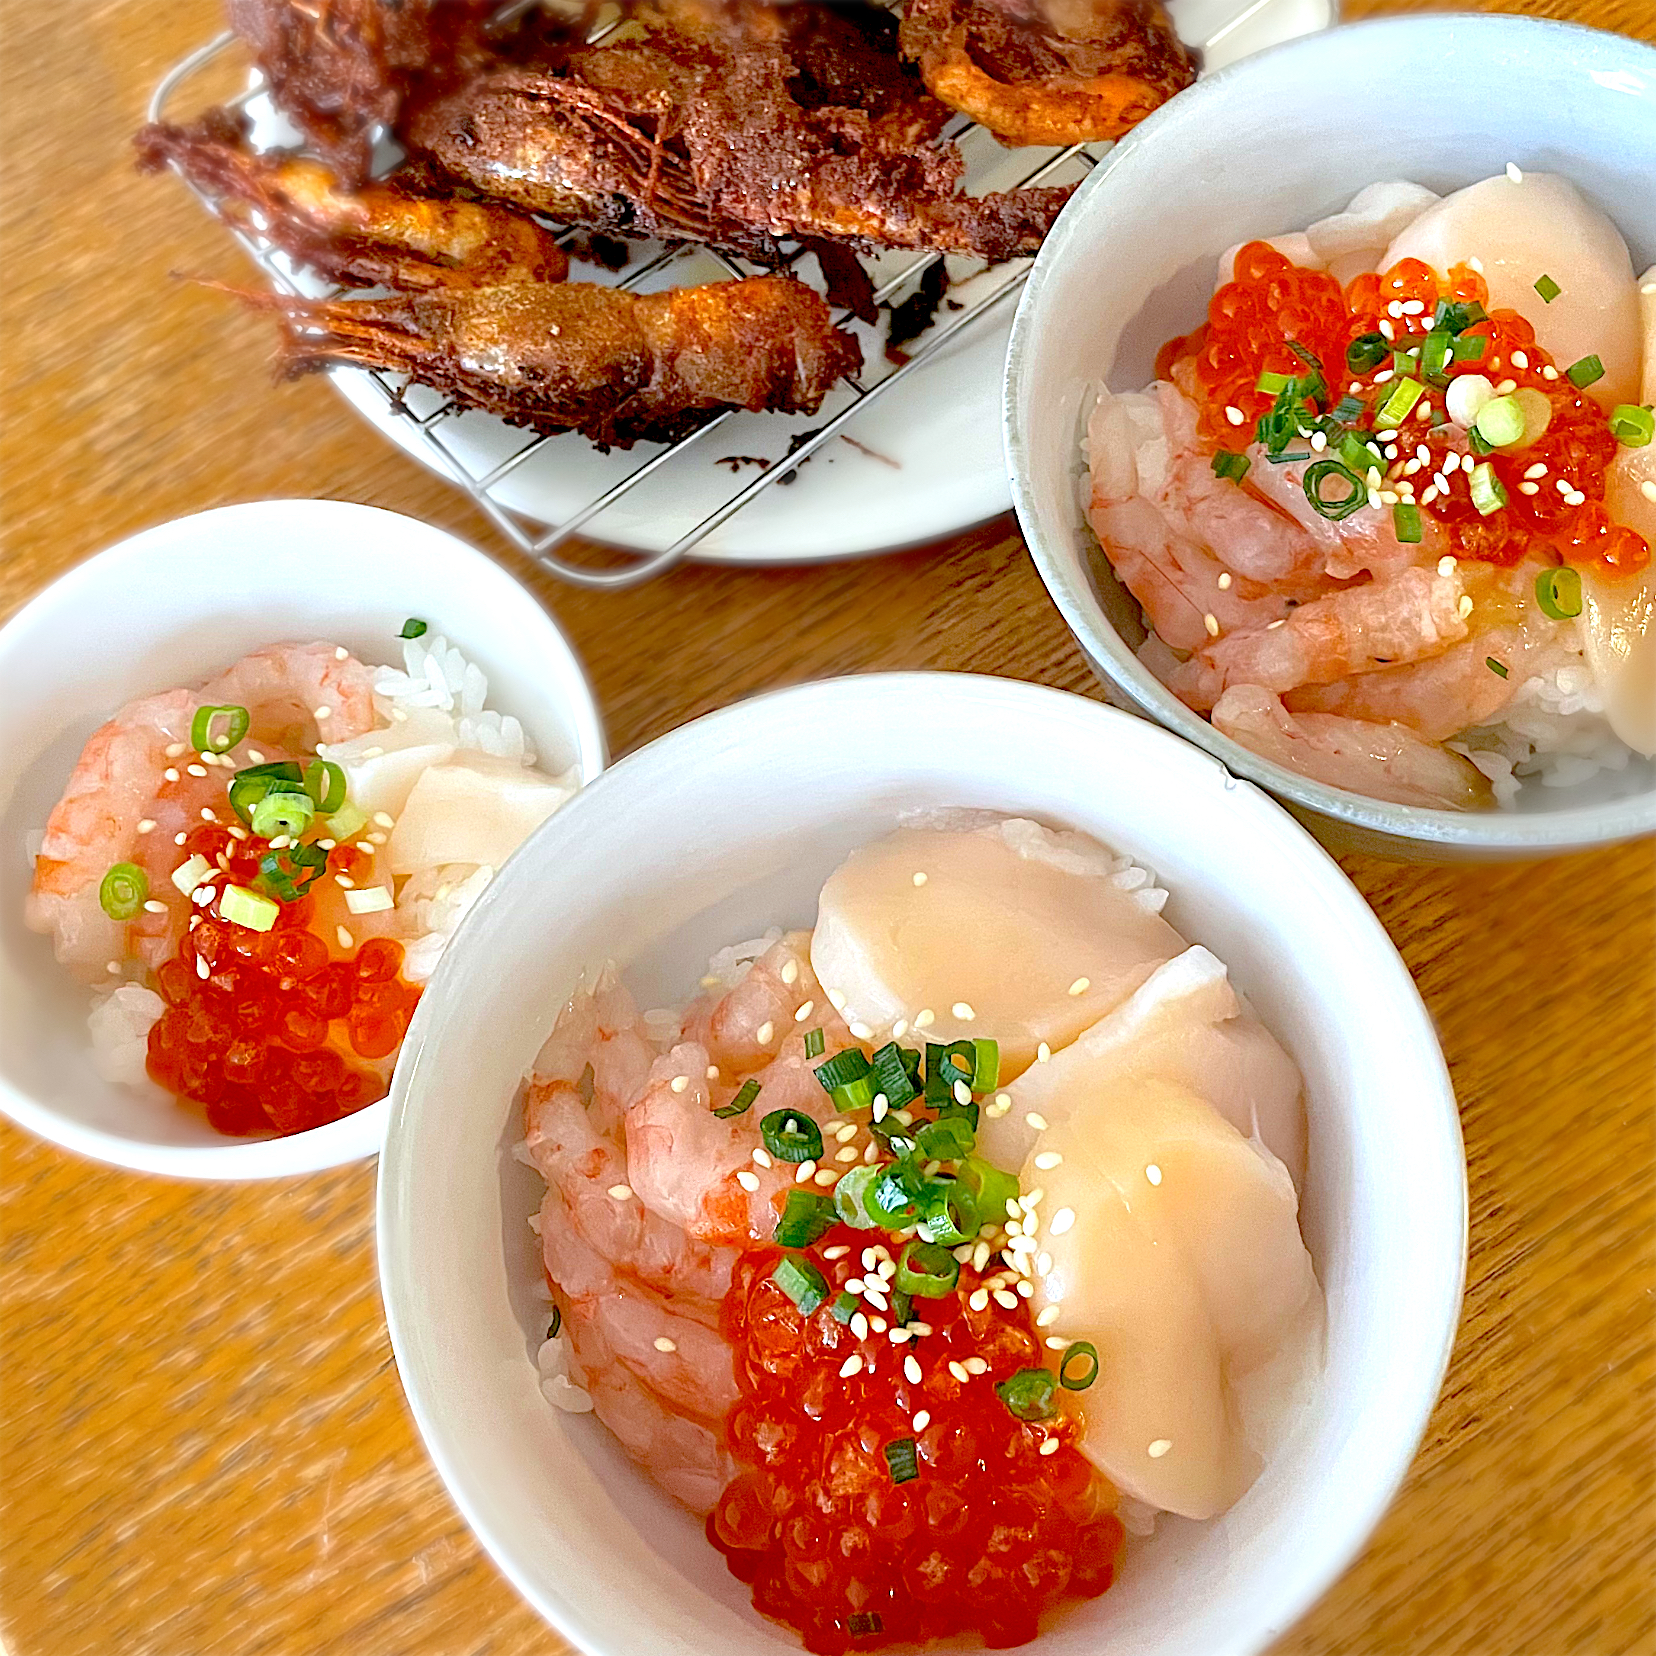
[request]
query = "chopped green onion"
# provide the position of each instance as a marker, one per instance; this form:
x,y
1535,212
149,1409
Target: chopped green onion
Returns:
x,y
1406,523
1437,351
801,1281
948,1214
948,1138
1457,315
844,1307
864,1622
1632,427
1231,465
1471,347
1078,1367
250,785
927,1271
283,813
1029,1394
1500,421
1400,399
851,1197
1308,357
1343,413
813,1043
892,1197
1289,459
741,1103
1274,384
854,1095
1548,289
288,874
325,783
985,1065
991,1189
1276,430
902,1307
891,1075
123,890
1488,494
791,1136
902,1460
1338,506
412,628
205,739
849,1065
242,907
1357,455
1496,667
1367,352
946,1065
806,1217
348,820
1558,592
1405,362
1478,443
553,1327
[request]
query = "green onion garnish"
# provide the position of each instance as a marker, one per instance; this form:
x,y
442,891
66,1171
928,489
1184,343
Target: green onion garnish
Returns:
x,y
1367,352
991,1189
854,1095
742,1103
892,1196
1496,667
1406,523
1488,493
1500,421
1078,1367
844,1308
1558,592
1029,1393
1231,465
926,1270
1471,347
412,628
948,1214
851,1197
1337,505
1400,399
864,1622
1478,443
1457,315
1548,289
204,738
849,1065
813,1043
325,783
283,813
791,1136
902,1460
346,821
123,890
1357,455
1437,351
251,909
248,786
553,1327
946,1065
1343,413
806,1217
985,1065
1308,357
1632,427
801,1281
1405,362
1274,384
891,1076
949,1138
288,874
1588,371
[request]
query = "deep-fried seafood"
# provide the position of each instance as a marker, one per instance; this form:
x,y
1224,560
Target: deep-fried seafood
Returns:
x,y
738,124
341,68
617,366
381,234
1038,74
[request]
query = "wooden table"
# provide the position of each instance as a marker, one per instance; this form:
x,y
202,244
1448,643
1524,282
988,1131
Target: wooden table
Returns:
x,y
204,1446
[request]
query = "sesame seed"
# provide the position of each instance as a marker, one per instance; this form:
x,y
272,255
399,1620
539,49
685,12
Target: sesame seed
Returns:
x,y
196,770
1394,309
345,881
848,1154
826,1176
1648,489
1235,416
323,713
1539,469
876,1297
1388,497
1049,1159
680,1083
922,1420
975,1365
712,1072
1516,175
1160,1448
980,1256
861,1032
1520,359
1529,488
174,749
924,1018
152,906
790,971
859,1325
999,1108
662,1343
365,848
979,1300
748,1181
1049,1447
836,1000
852,1365
1057,1342
385,819
899,1336
838,1251
805,1011
1006,1301
1038,1122
880,1107
1575,498
921,1330
766,1030
853,1285
920,879
1464,607
1446,566
1042,1053
1211,622
1062,1220
899,1029
912,1370
804,1171
871,1150
1506,388
178,839
1048,1315
1153,1174
1429,496
1413,307
1043,1264
346,941
170,774
962,1093
376,838
201,967
113,967
959,1373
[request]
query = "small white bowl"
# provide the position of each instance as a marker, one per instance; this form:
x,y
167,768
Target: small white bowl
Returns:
x,y
170,606
1267,145
729,825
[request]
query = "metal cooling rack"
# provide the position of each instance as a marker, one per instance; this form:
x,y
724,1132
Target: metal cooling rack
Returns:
x,y
544,542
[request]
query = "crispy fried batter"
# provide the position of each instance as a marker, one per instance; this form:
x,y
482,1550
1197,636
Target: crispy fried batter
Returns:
x,y
733,122
1037,73
382,234
617,366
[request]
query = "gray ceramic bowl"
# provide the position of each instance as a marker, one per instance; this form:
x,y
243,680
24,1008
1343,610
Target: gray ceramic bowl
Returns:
x,y
1266,146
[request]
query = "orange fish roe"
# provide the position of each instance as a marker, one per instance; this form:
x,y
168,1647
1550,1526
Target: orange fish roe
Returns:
x,y
261,1027
1554,485
990,1533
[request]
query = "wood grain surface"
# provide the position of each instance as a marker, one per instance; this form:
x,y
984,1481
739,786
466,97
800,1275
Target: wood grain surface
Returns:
x,y
203,1445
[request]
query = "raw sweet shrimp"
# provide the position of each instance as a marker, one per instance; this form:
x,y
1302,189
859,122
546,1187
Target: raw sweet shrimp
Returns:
x,y
139,784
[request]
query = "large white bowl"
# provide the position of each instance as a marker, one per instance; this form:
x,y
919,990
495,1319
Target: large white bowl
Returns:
x,y
729,825
168,607
1267,145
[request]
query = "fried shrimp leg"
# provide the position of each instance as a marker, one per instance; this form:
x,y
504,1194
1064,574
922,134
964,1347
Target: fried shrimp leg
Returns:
x,y
618,366
384,234
1048,74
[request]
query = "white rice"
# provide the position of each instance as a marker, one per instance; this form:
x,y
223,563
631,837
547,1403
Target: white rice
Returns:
x,y
119,1025
435,674
733,963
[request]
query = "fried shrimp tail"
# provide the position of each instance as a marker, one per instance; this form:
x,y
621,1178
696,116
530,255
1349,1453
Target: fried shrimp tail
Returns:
x,y
382,234
617,366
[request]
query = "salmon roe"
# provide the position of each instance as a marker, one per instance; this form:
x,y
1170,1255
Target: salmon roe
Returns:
x,y
1271,301
988,1536
261,1027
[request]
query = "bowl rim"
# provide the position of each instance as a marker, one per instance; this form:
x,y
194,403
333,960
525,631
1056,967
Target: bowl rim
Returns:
x,y
1569,828
414,1342
359,1135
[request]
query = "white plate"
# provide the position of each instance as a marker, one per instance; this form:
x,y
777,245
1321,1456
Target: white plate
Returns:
x,y
929,462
